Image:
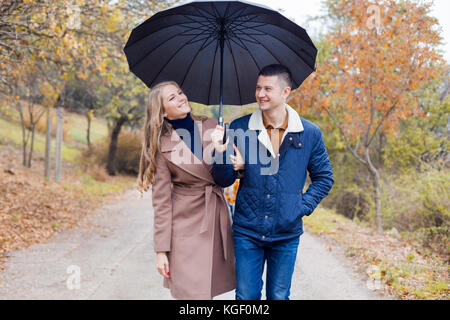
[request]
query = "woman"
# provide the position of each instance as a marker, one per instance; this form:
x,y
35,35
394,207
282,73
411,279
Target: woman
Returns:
x,y
192,226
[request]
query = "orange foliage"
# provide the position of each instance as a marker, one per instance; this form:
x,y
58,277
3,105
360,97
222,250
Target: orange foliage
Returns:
x,y
231,192
382,52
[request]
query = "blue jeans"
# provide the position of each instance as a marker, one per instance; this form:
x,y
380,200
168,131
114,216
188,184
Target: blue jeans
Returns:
x,y
251,254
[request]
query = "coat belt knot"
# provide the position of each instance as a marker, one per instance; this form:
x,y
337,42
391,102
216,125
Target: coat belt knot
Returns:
x,y
212,192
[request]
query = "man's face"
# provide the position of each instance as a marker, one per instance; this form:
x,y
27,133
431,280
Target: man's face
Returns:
x,y
270,92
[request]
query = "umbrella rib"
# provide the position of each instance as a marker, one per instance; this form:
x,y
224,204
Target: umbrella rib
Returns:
x,y
240,27
202,29
239,23
200,10
234,25
269,35
198,40
249,52
212,73
216,11
193,15
296,53
227,9
176,35
151,51
206,23
242,43
267,50
235,70
204,46
192,62
239,11
202,26
256,14
167,62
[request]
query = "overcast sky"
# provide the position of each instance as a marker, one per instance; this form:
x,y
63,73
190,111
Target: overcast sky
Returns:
x,y
299,10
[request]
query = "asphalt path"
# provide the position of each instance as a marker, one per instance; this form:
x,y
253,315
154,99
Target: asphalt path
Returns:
x,y
113,258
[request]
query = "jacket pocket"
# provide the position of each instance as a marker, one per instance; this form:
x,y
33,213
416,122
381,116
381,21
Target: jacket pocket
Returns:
x,y
289,214
301,208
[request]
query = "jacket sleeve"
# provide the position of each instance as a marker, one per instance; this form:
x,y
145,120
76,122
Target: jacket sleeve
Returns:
x,y
162,205
321,174
222,169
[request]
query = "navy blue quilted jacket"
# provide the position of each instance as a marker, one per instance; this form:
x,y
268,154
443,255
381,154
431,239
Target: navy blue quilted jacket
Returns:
x,y
270,202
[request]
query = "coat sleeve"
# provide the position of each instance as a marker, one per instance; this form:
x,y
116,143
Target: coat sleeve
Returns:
x,y
162,205
321,174
222,169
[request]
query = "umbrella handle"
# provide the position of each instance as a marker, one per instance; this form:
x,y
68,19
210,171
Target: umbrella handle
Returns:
x,y
227,126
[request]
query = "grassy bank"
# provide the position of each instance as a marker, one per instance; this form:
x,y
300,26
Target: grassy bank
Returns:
x,y
394,264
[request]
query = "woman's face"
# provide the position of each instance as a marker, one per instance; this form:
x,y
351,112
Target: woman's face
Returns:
x,y
175,102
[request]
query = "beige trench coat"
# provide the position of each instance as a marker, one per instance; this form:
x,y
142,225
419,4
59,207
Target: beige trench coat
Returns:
x,y
192,222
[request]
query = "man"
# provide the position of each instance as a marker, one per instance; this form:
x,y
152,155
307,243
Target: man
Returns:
x,y
270,203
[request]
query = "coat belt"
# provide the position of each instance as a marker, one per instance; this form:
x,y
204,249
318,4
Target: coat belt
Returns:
x,y
212,193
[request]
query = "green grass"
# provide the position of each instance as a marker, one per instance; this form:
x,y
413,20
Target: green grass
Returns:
x,y
94,189
78,128
11,133
323,221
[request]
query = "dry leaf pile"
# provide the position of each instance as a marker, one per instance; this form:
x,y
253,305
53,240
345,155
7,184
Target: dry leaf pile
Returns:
x,y
403,269
32,209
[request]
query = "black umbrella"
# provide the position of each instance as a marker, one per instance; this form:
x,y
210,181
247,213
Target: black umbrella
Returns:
x,y
215,49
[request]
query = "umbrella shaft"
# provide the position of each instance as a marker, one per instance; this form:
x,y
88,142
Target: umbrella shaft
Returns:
x,y
222,43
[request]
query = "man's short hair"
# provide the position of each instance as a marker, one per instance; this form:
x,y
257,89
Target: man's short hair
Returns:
x,y
279,70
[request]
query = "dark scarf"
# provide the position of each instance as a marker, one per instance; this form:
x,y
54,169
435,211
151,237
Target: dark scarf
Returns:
x,y
180,125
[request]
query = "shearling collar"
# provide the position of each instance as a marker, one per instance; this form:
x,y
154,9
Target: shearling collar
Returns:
x,y
294,122
256,123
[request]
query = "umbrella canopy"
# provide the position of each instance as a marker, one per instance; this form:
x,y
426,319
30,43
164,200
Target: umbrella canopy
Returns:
x,y
215,49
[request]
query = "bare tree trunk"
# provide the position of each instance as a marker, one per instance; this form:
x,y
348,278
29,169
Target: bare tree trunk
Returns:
x,y
48,144
48,137
376,184
30,153
111,165
367,162
24,132
58,145
31,124
88,133
380,150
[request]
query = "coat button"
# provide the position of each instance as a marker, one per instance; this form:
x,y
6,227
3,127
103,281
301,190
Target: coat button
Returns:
x,y
290,138
263,237
299,144
268,196
266,217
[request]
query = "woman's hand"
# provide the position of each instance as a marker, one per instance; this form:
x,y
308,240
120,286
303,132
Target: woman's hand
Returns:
x,y
237,160
217,139
162,264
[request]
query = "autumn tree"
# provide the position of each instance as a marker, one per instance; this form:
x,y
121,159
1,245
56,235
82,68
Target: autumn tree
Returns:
x,y
422,143
71,39
49,38
381,53
124,94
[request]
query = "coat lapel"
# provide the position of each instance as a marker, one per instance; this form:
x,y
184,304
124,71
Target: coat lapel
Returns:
x,y
177,152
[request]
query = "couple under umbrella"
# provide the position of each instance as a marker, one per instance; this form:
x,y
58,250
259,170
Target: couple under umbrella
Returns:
x,y
218,52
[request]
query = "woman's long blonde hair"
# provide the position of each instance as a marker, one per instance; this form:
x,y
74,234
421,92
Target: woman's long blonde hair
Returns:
x,y
154,127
